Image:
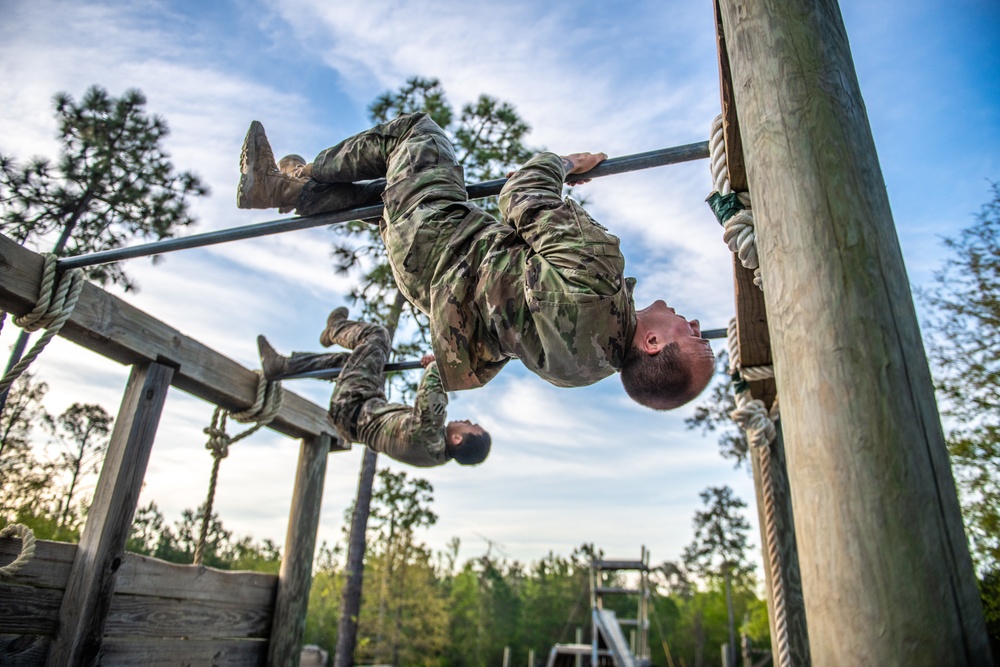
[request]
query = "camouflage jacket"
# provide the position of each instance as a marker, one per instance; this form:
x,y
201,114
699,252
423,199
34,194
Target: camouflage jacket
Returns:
x,y
545,286
413,435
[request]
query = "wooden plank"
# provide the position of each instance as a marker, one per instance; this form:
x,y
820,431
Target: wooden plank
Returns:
x,y
751,330
110,326
730,119
119,652
145,616
751,316
295,577
869,472
144,575
48,568
28,610
102,545
23,650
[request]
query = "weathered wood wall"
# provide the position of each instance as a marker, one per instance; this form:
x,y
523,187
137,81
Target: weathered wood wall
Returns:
x,y
161,613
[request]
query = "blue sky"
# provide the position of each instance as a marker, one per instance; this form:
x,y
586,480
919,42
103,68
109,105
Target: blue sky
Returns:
x,y
568,466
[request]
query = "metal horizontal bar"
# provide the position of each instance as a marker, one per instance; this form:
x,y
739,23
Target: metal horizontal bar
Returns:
x,y
617,590
622,564
330,373
609,167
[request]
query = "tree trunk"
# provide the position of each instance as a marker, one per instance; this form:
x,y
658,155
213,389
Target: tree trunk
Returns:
x,y
350,610
731,648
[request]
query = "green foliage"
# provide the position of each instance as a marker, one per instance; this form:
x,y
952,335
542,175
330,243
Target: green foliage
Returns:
x,y
112,183
82,433
965,354
720,545
713,415
718,552
23,478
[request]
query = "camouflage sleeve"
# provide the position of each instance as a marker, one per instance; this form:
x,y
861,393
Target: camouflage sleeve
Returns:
x,y
430,410
574,252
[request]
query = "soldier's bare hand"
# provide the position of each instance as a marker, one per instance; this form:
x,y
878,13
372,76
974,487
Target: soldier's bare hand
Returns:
x,y
581,163
426,360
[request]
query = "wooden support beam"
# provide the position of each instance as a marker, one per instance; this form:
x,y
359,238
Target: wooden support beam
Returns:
x,y
751,316
886,572
87,599
119,331
295,578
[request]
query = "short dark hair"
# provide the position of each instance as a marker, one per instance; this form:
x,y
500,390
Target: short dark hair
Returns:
x,y
472,450
660,381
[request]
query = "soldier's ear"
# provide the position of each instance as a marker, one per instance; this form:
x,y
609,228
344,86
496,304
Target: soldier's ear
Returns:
x,y
651,343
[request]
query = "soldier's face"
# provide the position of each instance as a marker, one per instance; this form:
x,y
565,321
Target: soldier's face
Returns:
x,y
462,428
665,320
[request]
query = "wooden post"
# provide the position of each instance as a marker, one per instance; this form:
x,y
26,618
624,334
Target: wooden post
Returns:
x,y
886,573
91,583
295,576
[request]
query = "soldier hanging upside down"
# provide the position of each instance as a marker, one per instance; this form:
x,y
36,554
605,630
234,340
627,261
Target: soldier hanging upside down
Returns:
x,y
416,435
544,285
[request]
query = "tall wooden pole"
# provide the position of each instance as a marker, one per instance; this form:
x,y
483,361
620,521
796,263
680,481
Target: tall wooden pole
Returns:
x,y
886,573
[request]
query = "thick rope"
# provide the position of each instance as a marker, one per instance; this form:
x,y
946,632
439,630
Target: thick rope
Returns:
x,y
27,548
265,408
56,300
732,208
753,417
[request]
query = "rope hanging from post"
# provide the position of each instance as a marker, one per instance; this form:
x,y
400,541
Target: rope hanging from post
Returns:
x,y
732,209
56,300
27,548
753,417
265,408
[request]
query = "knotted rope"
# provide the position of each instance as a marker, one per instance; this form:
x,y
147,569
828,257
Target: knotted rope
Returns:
x,y
754,418
265,408
732,209
27,548
56,300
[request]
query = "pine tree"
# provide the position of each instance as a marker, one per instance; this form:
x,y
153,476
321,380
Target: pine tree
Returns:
x,y
113,183
83,431
719,548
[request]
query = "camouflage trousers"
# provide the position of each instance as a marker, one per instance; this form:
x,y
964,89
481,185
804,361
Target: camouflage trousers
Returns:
x,y
425,197
360,391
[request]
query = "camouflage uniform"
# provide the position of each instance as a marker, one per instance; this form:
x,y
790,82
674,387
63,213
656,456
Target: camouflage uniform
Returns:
x,y
358,407
544,285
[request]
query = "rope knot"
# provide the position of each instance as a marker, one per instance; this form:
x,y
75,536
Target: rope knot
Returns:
x,y
56,301
27,548
732,209
218,440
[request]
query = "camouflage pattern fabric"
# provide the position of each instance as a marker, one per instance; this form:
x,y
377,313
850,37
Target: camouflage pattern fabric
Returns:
x,y
544,285
358,407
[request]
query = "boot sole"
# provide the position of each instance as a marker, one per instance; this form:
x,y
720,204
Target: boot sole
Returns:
x,y
248,160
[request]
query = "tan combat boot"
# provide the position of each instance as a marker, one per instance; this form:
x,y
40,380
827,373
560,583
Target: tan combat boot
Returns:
x,y
274,365
262,185
327,338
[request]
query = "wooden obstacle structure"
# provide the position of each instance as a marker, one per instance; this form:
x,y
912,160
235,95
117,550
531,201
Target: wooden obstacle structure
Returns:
x,y
92,602
877,562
